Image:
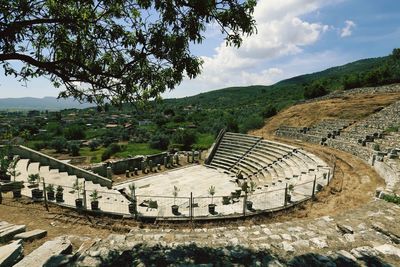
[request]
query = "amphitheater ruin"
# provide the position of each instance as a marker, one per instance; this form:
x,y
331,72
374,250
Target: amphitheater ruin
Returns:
x,y
251,175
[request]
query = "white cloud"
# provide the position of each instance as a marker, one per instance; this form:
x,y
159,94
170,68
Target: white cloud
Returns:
x,y
281,32
346,31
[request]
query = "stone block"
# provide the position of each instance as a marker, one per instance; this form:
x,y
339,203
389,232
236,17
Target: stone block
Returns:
x,y
8,233
42,255
11,253
31,235
388,249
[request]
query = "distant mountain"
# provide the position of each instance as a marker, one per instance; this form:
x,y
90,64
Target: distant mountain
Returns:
x,y
281,94
46,103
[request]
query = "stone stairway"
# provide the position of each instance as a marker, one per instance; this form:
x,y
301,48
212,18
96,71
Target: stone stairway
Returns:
x,y
110,200
13,236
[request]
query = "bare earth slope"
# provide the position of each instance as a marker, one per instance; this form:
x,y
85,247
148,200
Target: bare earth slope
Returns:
x,y
352,106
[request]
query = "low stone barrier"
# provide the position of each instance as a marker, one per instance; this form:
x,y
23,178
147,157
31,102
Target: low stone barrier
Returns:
x,y
53,163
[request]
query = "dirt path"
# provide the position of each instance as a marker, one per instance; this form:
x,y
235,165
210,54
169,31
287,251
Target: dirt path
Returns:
x,y
59,221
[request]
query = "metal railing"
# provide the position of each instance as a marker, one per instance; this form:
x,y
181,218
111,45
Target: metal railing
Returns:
x,y
277,196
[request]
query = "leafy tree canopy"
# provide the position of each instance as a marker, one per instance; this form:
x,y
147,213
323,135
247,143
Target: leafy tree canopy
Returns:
x,y
114,50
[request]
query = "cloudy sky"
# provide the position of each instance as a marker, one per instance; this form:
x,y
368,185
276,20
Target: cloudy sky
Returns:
x,y
294,37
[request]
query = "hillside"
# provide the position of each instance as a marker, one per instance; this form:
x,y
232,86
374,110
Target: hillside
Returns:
x,y
281,94
349,105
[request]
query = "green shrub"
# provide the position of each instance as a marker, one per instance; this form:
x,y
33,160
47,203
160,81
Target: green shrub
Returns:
x,y
252,122
176,147
314,90
74,132
159,141
59,144
376,147
269,111
39,145
392,198
74,148
392,128
185,137
110,151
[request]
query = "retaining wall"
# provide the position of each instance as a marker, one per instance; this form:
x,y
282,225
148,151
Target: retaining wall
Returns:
x,y
120,166
53,163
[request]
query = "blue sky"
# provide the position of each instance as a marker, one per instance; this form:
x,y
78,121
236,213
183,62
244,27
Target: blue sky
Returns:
x,y
294,37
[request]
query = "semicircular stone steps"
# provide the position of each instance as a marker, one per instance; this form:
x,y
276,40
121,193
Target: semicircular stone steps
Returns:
x,y
270,164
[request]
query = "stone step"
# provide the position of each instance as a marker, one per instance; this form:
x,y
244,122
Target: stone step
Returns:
x,y
44,254
11,253
8,233
4,225
31,235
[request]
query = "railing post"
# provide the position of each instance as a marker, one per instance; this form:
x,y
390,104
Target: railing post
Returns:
x,y
329,175
285,199
313,187
84,195
1,195
191,206
45,195
244,203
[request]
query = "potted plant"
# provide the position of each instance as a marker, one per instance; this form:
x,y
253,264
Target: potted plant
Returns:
x,y
4,163
175,207
78,188
94,203
12,171
133,205
17,186
226,200
211,207
289,193
59,194
249,189
50,192
34,180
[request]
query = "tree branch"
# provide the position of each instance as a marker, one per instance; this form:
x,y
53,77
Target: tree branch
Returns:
x,y
16,26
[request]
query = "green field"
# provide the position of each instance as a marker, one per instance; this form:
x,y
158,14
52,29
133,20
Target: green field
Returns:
x,y
204,141
94,155
128,150
134,149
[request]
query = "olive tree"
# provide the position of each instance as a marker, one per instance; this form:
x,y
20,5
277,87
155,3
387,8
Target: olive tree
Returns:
x,y
130,50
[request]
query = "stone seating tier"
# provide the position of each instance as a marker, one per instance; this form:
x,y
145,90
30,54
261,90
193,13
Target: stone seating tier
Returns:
x,y
264,161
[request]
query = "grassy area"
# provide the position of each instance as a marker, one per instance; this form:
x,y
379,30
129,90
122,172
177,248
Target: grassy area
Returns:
x,y
128,150
31,143
134,149
204,141
94,133
94,155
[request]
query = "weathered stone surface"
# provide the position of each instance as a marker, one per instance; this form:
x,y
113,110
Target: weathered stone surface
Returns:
x,y
319,242
7,233
345,229
388,249
5,225
31,235
362,252
287,247
346,255
11,253
46,252
381,229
